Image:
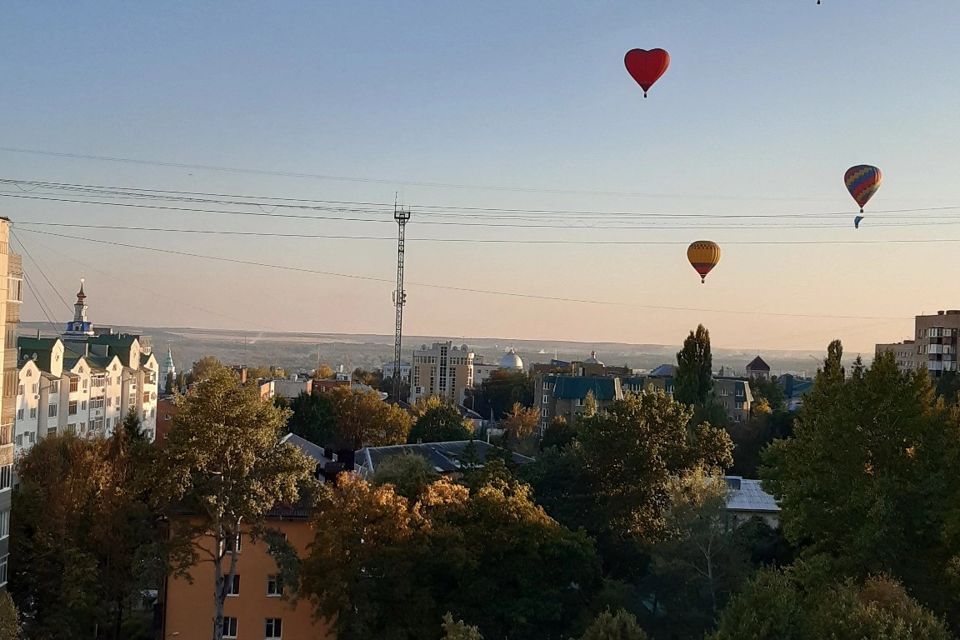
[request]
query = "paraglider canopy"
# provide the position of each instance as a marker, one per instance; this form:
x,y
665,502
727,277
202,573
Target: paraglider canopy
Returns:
x,y
703,256
856,221
862,182
646,67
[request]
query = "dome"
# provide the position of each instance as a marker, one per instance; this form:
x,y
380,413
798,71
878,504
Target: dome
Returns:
x,y
511,360
593,359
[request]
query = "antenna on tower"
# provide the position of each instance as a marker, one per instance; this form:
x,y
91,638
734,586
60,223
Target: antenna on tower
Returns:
x,y
399,295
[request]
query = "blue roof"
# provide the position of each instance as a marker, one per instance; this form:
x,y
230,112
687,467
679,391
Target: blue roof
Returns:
x,y
573,388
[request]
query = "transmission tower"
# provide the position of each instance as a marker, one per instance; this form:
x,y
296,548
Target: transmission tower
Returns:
x,y
399,296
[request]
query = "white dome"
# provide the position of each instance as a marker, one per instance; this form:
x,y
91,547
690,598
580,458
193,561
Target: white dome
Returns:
x,y
511,360
592,359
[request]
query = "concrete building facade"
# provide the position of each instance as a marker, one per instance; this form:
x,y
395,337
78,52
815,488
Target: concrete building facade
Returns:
x,y
934,345
11,281
443,370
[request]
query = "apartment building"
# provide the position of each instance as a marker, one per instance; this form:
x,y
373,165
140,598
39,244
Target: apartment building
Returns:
x,y
11,280
84,382
933,347
442,370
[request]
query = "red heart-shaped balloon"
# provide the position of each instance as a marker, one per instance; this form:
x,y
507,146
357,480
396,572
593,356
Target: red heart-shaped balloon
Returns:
x,y
646,67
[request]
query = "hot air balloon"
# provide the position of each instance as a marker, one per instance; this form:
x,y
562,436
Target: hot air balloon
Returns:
x,y
862,182
646,67
703,256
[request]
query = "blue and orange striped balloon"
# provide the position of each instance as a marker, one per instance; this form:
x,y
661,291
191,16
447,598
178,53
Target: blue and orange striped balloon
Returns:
x,y
862,182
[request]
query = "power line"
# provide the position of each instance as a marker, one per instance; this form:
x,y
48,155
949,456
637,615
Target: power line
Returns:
x,y
462,289
311,236
40,269
39,298
385,181
385,208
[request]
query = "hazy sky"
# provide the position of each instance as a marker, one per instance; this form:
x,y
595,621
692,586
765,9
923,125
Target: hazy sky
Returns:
x,y
763,108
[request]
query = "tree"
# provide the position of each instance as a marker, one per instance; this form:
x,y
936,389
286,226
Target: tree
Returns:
x,y
769,391
499,392
948,386
456,630
589,405
614,626
224,463
436,554
202,369
181,381
614,479
313,418
833,365
698,563
170,383
784,606
363,419
132,425
324,372
439,422
10,618
521,428
863,483
408,473
559,433
694,377
85,541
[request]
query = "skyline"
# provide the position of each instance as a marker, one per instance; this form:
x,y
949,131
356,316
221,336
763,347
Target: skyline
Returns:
x,y
533,101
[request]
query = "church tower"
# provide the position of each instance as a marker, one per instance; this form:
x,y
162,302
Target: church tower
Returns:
x,y
80,326
169,368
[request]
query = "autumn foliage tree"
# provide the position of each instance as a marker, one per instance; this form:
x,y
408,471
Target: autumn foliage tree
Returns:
x,y
362,419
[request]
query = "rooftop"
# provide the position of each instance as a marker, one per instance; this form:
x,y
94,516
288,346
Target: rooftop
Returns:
x,y
757,364
445,457
577,387
748,495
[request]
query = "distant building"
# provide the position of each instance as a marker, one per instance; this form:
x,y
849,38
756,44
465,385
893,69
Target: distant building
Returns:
x,y
446,458
758,369
84,383
746,499
564,394
511,361
443,370
934,347
11,297
405,368
291,388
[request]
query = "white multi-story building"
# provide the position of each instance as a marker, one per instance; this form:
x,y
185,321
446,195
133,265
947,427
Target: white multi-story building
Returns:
x,y
84,383
934,347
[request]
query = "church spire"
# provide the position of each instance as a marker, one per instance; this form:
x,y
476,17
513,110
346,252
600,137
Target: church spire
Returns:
x,y
80,326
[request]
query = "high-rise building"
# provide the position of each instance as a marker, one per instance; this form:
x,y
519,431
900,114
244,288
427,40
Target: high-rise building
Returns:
x,y
11,280
443,370
933,347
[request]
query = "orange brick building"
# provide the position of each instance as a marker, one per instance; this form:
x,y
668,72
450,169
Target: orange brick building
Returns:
x,y
256,611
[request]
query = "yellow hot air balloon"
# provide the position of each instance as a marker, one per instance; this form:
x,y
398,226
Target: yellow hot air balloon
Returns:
x,y
703,256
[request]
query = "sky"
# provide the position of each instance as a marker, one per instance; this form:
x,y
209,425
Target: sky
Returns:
x,y
494,105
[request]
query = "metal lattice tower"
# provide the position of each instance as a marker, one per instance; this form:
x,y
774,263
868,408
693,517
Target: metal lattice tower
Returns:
x,y
399,296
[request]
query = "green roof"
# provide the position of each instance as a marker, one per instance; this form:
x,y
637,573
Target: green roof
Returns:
x,y
36,344
114,340
571,388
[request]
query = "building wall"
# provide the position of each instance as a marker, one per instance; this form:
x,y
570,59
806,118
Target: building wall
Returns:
x,y
189,607
11,296
443,370
936,342
904,352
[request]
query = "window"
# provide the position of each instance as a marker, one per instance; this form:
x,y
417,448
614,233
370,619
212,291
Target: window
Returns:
x,y
579,402
116,402
96,403
4,524
72,408
274,586
274,628
233,589
229,627
33,412
20,413
229,543
19,440
6,475
34,388
546,399
83,405
20,390
52,411
3,571
84,381
54,387
74,384
52,431
109,402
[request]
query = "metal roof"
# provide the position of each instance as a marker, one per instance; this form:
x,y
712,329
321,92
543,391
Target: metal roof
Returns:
x,y
443,456
577,387
748,495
